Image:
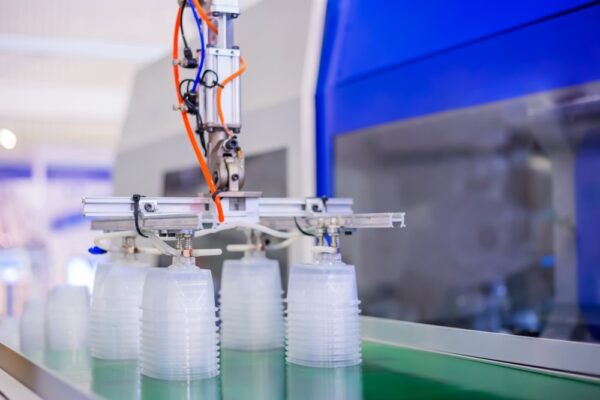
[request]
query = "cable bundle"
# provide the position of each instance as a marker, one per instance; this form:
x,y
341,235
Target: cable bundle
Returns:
x,y
188,100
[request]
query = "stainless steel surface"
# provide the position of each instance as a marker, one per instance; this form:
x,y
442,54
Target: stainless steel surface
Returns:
x,y
243,205
115,214
13,389
38,379
560,355
225,6
224,62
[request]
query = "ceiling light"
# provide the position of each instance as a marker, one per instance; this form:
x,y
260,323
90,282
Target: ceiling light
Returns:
x,y
8,139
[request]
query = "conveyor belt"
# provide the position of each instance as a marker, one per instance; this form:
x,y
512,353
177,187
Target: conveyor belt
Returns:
x,y
386,373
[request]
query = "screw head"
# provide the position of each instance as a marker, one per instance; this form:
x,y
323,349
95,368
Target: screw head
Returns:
x,y
235,177
315,208
149,207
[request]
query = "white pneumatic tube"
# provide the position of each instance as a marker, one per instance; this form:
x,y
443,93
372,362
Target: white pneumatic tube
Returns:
x,y
323,326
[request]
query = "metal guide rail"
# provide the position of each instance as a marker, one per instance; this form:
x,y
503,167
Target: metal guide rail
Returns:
x,y
197,213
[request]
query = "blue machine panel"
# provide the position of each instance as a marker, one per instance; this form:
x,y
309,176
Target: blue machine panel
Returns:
x,y
587,184
556,51
380,34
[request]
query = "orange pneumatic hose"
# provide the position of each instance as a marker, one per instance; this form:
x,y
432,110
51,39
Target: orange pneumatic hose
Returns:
x,y
188,126
204,17
220,93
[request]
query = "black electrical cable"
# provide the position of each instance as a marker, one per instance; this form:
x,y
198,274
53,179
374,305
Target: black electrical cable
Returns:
x,y
2,395
324,199
200,132
187,89
136,213
305,233
189,97
185,43
215,80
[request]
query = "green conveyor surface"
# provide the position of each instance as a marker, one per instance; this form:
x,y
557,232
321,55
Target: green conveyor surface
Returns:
x,y
386,373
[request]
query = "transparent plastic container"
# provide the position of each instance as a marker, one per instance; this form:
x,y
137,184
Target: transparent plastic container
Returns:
x,y
115,310
324,383
251,304
67,318
32,330
324,363
9,332
322,316
179,335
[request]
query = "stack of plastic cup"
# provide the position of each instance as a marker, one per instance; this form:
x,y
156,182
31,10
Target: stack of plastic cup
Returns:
x,y
323,326
251,304
115,312
253,375
324,383
179,337
9,332
67,318
32,329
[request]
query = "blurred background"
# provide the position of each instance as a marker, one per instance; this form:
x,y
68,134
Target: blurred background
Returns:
x,y
489,146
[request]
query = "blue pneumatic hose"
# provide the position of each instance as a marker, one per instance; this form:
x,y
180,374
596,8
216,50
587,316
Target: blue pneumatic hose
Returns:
x,y
202,47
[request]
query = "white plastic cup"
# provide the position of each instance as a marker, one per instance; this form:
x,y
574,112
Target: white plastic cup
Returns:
x,y
9,332
251,304
179,335
322,323
32,329
253,375
115,311
67,318
324,384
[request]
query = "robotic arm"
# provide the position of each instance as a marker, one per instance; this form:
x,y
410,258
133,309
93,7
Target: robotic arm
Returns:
x,y
214,99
